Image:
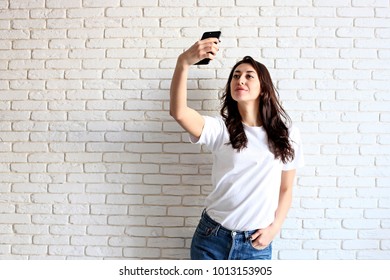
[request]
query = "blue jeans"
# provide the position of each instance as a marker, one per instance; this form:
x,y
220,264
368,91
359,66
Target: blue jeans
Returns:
x,y
211,241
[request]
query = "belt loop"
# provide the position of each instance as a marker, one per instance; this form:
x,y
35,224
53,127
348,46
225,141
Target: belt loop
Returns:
x,y
217,229
248,235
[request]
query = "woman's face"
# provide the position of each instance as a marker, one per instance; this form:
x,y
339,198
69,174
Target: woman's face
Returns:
x,y
245,84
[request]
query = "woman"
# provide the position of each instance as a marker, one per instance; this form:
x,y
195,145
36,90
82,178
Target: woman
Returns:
x,y
255,151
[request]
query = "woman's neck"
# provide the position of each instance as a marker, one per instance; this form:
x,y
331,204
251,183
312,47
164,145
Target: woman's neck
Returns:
x,y
250,115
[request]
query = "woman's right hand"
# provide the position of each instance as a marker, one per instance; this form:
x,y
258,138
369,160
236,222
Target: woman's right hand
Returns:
x,y
206,48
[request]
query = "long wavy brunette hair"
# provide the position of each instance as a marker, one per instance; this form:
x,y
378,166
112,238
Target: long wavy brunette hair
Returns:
x,y
273,117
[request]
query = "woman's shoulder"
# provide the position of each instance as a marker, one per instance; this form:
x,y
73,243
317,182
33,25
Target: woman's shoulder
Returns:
x,y
215,120
214,133
294,132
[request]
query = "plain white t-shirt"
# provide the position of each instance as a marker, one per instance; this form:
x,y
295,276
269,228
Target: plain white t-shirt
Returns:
x,y
246,183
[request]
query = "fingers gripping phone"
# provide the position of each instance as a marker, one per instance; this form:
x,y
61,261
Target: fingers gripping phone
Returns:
x,y
208,34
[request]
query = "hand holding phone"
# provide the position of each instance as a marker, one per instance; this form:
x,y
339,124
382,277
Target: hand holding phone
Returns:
x,y
208,34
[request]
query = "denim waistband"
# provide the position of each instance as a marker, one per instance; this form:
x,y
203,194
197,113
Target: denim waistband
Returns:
x,y
222,229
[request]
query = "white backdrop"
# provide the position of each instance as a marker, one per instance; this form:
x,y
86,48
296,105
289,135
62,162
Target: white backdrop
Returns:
x,y
93,166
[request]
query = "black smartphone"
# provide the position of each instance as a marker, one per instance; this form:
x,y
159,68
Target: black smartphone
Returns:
x,y
208,34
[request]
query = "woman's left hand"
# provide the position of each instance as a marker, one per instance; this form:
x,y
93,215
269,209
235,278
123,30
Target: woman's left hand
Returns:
x,y
263,237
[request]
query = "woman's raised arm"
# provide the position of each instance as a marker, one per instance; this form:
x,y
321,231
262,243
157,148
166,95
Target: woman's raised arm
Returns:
x,y
187,117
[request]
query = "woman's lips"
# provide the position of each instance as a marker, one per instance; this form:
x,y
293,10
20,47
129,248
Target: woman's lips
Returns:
x,y
240,89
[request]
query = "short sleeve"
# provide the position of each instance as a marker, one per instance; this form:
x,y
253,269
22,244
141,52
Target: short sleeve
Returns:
x,y
213,133
298,161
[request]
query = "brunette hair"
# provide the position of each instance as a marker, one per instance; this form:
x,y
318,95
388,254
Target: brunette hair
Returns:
x,y
274,118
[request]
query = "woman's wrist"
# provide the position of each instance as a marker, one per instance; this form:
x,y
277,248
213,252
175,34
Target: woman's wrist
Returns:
x,y
182,63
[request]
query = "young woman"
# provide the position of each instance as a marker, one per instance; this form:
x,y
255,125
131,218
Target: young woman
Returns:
x,y
256,152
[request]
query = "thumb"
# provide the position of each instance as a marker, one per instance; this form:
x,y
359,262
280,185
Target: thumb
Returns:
x,y
256,234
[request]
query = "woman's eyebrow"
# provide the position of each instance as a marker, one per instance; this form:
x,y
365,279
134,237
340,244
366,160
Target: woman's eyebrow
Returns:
x,y
249,71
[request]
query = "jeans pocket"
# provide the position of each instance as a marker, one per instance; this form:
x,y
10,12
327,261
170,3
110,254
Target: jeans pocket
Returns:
x,y
259,248
204,229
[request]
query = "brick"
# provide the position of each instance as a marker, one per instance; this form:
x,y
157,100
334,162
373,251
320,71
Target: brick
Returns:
x,y
66,250
127,242
103,251
200,12
301,255
336,255
339,149
360,223
370,234
28,168
141,253
156,12
179,169
31,229
66,188
166,242
63,4
70,209
45,198
360,244
122,32
85,12
336,192
104,230
125,220
108,209
123,12
322,244
90,178
105,126
100,3
100,23
372,255
67,230
354,33
62,64
88,219
30,147
86,33
46,157
376,213
15,218
340,234
64,23
48,13
50,219
124,199
20,4
162,179
372,3
50,240
385,245
355,12
29,249
165,221
26,64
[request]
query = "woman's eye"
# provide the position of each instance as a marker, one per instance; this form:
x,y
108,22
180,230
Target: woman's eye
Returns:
x,y
236,76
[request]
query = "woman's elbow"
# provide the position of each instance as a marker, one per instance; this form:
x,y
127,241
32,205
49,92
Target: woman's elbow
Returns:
x,y
174,114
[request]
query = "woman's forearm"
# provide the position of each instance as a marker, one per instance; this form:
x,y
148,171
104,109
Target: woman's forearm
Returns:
x,y
178,92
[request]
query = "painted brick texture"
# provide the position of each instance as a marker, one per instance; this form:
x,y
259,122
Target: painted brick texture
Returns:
x,y
93,167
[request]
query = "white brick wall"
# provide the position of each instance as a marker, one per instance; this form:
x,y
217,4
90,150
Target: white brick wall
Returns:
x,y
93,166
